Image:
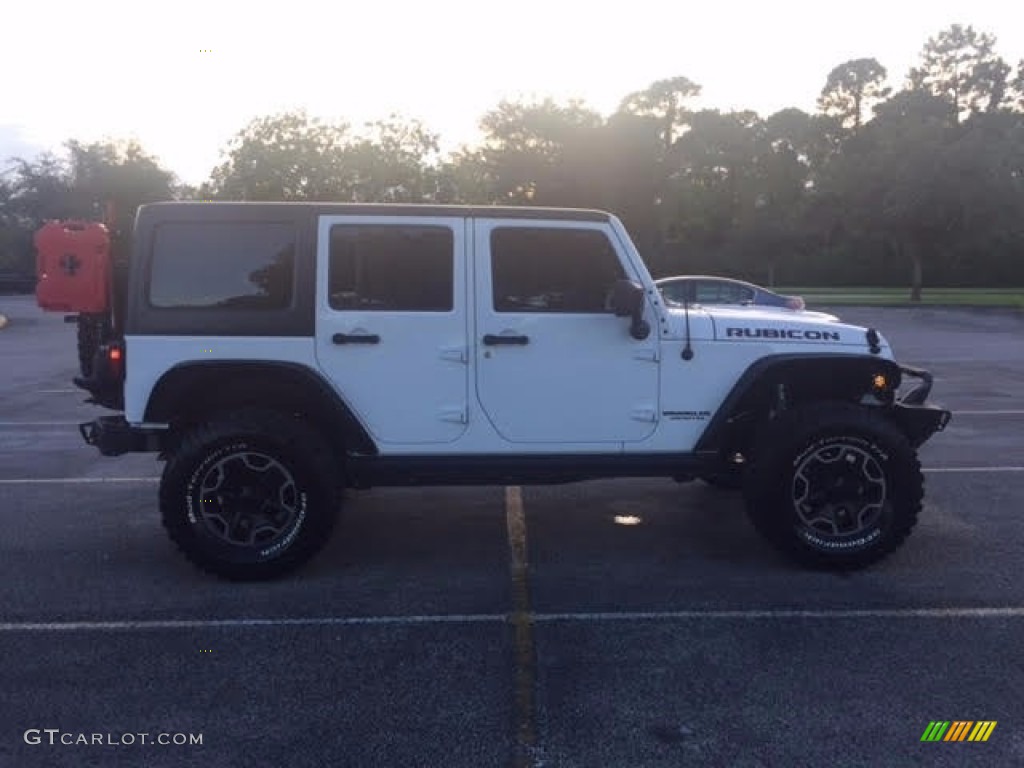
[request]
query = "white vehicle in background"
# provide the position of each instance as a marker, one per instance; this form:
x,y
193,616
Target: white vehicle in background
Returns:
x,y
709,290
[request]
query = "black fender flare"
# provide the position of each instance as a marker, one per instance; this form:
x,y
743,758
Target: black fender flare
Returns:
x,y
191,391
803,378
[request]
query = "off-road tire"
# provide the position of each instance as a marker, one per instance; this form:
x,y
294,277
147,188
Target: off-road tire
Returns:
x,y
828,465
242,474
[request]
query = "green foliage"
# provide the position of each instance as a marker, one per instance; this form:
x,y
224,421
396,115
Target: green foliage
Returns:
x,y
851,89
1015,97
395,163
94,180
289,156
541,153
664,100
293,156
924,185
115,176
960,66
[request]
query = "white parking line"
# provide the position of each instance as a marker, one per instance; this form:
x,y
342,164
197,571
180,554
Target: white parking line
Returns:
x,y
938,470
319,621
522,628
1011,612
41,423
1011,412
74,480
769,614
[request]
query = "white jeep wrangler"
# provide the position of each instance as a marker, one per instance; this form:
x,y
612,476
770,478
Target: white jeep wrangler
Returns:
x,y
275,354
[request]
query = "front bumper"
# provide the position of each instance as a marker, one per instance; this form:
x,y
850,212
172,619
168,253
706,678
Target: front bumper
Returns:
x,y
113,436
918,420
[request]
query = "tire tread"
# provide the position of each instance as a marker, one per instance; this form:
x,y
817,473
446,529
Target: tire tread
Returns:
x,y
292,435
776,443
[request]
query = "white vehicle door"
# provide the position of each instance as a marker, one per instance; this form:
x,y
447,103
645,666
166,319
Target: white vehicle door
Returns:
x,y
392,323
553,363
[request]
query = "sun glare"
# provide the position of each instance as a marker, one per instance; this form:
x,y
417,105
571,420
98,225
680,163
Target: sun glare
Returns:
x,y
185,81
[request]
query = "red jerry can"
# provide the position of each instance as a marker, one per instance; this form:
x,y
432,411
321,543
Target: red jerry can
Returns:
x,y
73,267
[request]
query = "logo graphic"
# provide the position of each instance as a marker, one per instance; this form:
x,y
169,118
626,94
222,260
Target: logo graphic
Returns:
x,y
958,730
70,264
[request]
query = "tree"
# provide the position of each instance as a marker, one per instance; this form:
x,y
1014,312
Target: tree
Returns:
x,y
541,153
960,66
41,190
463,178
14,250
719,155
118,174
1017,89
631,160
851,90
288,156
892,188
94,176
395,163
663,100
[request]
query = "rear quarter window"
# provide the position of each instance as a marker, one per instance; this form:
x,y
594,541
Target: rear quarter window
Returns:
x,y
224,265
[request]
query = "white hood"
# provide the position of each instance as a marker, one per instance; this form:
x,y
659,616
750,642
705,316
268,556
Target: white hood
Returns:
x,y
764,325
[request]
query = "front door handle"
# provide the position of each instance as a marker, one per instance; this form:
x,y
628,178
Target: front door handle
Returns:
x,y
356,338
492,340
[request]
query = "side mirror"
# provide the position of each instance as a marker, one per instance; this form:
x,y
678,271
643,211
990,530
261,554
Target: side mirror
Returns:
x,y
628,301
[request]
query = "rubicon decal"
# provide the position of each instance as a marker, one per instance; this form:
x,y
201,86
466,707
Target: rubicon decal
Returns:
x,y
781,333
958,730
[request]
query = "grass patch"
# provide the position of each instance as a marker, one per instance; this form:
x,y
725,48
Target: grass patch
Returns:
x,y
934,297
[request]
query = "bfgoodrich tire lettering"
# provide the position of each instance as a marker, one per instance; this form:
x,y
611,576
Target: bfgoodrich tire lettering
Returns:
x,y
249,495
834,485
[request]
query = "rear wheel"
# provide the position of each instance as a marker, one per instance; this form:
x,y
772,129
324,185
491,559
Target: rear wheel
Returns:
x,y
834,486
250,495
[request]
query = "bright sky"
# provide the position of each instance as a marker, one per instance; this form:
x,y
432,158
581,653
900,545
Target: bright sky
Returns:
x,y
184,76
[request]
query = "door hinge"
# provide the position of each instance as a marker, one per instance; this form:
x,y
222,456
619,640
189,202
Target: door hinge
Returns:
x,y
456,415
456,354
643,414
651,355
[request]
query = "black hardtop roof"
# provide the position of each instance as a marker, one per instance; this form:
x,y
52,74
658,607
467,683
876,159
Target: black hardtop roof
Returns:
x,y
198,209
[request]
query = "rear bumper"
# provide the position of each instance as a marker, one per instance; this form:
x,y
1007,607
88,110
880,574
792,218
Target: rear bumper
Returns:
x,y
918,420
113,436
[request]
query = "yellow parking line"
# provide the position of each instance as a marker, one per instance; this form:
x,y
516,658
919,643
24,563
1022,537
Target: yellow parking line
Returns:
x,y
522,626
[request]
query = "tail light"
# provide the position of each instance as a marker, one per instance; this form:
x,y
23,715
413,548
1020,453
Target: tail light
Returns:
x,y
114,359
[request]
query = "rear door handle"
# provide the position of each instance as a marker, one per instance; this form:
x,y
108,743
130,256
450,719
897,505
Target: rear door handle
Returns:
x,y
492,340
356,338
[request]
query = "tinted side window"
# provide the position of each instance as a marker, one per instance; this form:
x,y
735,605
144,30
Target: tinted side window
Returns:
x,y
678,291
391,268
709,292
552,270
227,265
736,294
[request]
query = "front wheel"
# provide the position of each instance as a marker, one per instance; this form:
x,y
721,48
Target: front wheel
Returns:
x,y
834,486
250,495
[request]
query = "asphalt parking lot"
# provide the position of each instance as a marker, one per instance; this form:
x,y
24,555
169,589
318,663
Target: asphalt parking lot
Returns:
x,y
514,627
